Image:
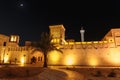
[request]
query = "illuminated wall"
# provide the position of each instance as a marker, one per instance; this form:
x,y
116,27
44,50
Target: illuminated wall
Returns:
x,y
11,52
86,55
93,53
104,52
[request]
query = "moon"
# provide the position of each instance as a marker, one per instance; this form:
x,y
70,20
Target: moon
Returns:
x,y
21,5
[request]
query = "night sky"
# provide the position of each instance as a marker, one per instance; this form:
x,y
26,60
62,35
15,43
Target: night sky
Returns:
x,y
29,18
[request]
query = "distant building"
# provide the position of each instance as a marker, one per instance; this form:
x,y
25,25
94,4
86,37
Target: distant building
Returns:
x,y
11,52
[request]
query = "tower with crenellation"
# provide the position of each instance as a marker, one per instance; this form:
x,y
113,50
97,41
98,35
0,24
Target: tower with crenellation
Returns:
x,y
58,33
113,36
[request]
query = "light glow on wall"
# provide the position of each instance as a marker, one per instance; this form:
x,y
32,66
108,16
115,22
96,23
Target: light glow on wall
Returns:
x,y
114,57
54,56
69,59
93,61
6,58
22,60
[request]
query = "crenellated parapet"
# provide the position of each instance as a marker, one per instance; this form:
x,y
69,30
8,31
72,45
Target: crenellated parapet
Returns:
x,y
58,33
89,45
114,36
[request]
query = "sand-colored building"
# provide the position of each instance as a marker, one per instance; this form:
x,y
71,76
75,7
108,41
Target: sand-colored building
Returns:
x,y
11,52
104,52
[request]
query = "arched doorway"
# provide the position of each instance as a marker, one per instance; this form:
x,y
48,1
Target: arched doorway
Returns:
x,y
37,57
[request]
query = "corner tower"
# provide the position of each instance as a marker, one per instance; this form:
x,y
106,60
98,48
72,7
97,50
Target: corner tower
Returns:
x,y
58,33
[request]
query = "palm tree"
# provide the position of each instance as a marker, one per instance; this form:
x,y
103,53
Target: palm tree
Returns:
x,y
45,45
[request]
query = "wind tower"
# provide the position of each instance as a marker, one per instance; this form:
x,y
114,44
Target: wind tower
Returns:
x,y
82,31
58,33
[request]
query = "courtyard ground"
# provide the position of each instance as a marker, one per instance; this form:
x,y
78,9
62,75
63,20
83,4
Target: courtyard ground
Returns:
x,y
34,72
98,73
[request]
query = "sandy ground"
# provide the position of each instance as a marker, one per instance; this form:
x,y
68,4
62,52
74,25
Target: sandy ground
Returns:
x,y
16,72
104,73
39,73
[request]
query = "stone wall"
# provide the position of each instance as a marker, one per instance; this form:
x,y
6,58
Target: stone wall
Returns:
x,y
93,55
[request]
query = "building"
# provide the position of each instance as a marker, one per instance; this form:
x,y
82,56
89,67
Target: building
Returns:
x,y
11,52
93,53
105,52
